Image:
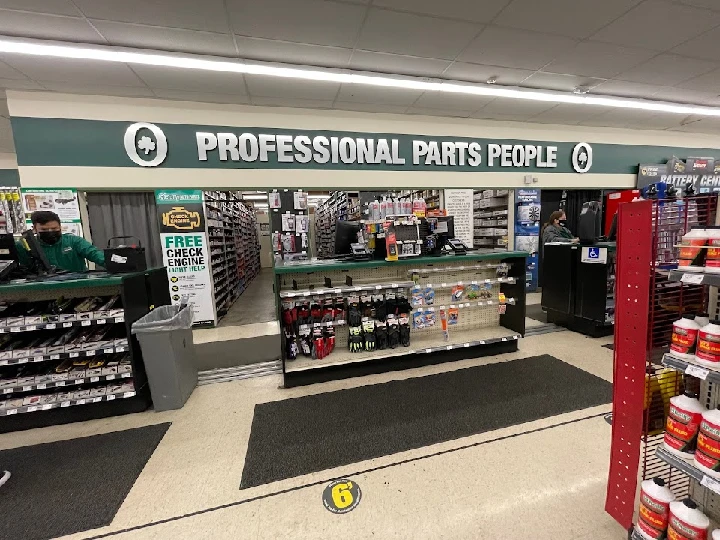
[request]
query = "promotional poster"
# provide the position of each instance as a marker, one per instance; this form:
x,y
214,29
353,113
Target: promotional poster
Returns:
x,y
527,231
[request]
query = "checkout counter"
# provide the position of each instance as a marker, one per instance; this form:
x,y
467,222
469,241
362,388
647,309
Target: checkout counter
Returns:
x,y
66,350
579,287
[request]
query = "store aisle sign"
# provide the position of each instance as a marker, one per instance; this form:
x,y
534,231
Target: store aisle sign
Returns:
x,y
64,202
185,250
594,255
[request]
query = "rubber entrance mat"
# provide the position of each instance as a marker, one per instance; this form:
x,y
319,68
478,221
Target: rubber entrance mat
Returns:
x,y
299,436
72,486
535,312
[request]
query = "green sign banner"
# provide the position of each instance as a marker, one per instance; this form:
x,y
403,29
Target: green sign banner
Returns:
x,y
94,143
179,196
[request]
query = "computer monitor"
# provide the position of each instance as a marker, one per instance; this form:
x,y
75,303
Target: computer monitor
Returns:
x,y
346,233
8,256
37,254
590,222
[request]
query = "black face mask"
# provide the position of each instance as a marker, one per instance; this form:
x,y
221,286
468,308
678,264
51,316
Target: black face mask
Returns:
x,y
562,223
49,237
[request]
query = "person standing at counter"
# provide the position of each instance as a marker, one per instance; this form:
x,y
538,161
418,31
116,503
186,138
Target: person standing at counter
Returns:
x,y
63,251
556,231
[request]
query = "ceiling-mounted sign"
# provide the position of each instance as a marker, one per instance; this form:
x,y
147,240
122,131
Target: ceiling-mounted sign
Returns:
x,y
582,158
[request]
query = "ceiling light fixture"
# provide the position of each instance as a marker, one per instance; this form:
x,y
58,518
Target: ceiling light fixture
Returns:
x,y
188,61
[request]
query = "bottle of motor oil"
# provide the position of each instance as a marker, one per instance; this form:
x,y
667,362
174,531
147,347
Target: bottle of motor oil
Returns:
x,y
684,337
703,319
654,512
683,423
692,252
716,534
707,454
707,351
687,522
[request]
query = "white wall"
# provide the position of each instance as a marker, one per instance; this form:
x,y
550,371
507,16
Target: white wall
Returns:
x,y
52,105
8,161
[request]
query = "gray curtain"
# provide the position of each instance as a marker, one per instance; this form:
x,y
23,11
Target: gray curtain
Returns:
x,y
126,214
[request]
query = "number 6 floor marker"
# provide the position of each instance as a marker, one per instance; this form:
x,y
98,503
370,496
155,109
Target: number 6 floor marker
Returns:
x,y
341,496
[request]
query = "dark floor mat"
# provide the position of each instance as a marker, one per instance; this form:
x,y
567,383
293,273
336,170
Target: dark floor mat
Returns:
x,y
298,436
535,312
72,486
610,346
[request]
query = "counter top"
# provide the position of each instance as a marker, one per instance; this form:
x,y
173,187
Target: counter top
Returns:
x,y
332,264
71,280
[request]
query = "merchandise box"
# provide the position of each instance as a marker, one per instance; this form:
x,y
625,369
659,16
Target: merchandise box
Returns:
x,y
62,397
73,347
121,342
78,372
5,355
21,353
67,317
14,321
59,376
8,382
34,319
110,369
114,388
13,403
124,367
43,378
80,394
93,372
46,399
100,314
97,391
499,212
26,380
120,312
127,386
31,400
502,192
38,351
51,318
84,316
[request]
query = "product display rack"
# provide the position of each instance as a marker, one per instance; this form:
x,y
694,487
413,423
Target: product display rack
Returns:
x,y
490,218
650,295
234,246
485,325
340,206
12,217
288,210
432,197
48,378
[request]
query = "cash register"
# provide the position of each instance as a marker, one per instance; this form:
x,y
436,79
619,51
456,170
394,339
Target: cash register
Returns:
x,y
9,258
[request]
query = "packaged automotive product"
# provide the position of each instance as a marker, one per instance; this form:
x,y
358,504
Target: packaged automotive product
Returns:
x,y
418,319
707,351
429,296
417,296
429,318
712,253
703,319
654,511
453,315
692,254
707,454
683,423
684,337
457,292
716,534
687,522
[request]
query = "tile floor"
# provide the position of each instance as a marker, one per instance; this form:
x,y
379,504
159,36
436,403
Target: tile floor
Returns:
x,y
538,480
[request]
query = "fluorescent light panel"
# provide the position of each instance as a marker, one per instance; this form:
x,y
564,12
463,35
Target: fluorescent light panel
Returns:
x,y
187,61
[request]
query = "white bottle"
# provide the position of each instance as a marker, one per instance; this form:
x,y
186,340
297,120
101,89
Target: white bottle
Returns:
x,y
712,254
383,208
683,424
691,251
684,337
716,534
703,319
707,454
686,521
707,351
654,512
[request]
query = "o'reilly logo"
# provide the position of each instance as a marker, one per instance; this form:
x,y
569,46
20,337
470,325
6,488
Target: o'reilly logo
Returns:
x,y
145,144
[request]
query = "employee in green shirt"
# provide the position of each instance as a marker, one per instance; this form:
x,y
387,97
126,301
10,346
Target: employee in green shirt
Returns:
x,y
63,251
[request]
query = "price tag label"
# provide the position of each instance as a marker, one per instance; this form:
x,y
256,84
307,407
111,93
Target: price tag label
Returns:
x,y
108,351
27,388
119,319
110,397
3,362
78,381
378,287
695,279
16,329
74,355
481,342
466,345
101,321
30,328
38,359
428,350
41,386
85,323
60,383
394,285
67,324
89,353
110,377
65,404
47,407
128,394
80,402
449,348
443,285
96,399
307,293
94,379
697,371
11,412
710,483
54,357
7,390
337,291
32,409
51,326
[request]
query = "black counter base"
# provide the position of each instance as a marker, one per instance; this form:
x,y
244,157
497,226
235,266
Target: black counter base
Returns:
x,y
580,325
396,363
77,413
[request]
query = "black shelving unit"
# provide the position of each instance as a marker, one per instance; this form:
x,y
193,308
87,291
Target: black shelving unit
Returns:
x,y
490,219
31,396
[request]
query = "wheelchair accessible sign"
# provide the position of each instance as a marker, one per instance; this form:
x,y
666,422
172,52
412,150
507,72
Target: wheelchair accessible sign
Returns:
x,y
594,255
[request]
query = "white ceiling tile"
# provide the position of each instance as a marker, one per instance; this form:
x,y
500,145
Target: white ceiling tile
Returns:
x,y
633,119
19,84
70,70
683,95
205,15
668,69
515,48
278,87
416,35
476,11
293,53
98,89
37,25
202,97
440,112
567,113
55,7
704,46
395,63
369,107
292,102
596,59
461,71
625,89
305,21
514,108
706,125
556,81
9,72
358,93
651,25
166,39
191,80
572,18
709,4
708,82
445,101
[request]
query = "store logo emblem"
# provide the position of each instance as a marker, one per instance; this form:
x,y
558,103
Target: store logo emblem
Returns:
x,y
138,150
582,157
